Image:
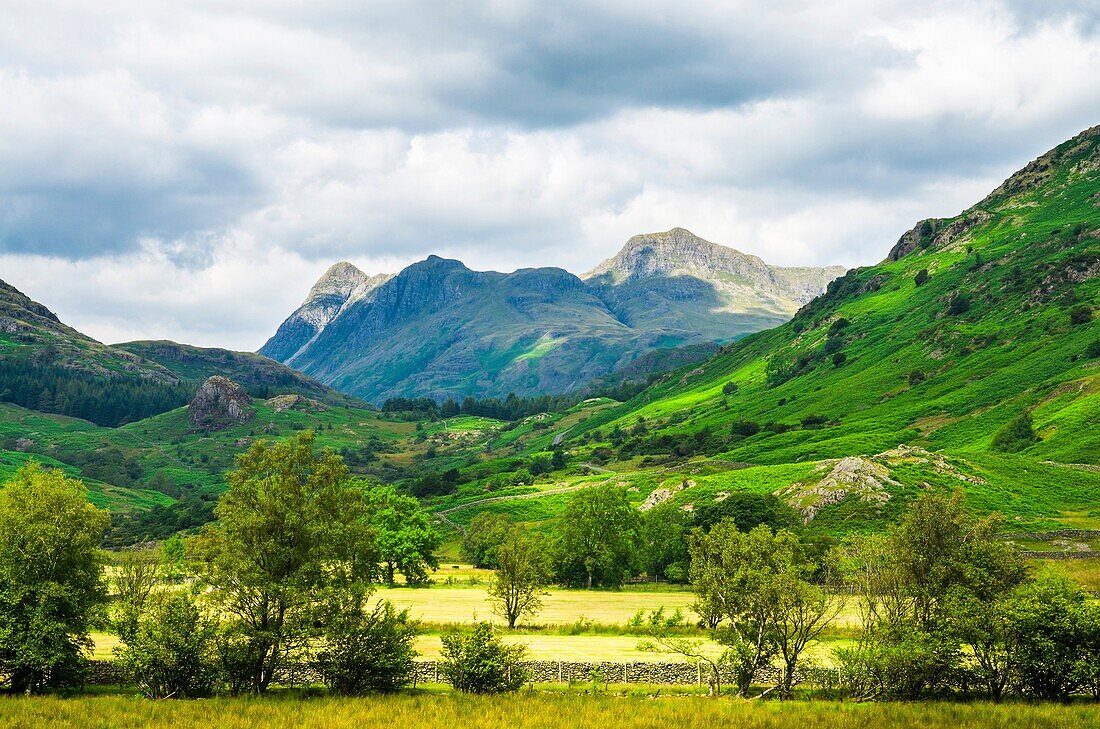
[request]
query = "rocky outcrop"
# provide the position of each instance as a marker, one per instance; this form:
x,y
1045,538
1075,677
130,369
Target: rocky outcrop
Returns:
x,y
220,403
663,493
282,403
852,475
936,234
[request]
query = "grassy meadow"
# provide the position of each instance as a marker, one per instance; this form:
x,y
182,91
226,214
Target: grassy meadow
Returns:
x,y
566,710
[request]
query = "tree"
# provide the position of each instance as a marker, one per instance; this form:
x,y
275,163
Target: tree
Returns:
x,y
662,540
135,574
170,653
1047,632
801,612
288,525
479,663
484,534
987,631
921,278
517,586
172,555
51,577
598,535
406,539
940,547
748,511
365,649
910,585
732,575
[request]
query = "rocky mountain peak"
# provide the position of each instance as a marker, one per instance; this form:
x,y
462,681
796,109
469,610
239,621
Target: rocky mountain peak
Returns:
x,y
220,403
672,253
340,278
341,286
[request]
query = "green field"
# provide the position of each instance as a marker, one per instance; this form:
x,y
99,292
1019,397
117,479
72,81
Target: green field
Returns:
x,y
539,710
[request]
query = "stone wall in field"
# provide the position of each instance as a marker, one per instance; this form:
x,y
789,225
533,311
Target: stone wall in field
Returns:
x,y
665,673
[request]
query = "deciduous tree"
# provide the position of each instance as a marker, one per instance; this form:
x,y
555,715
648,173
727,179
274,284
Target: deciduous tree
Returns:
x,y
519,583
51,577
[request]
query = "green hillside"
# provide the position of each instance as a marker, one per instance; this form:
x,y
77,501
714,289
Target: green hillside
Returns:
x,y
974,345
970,357
260,376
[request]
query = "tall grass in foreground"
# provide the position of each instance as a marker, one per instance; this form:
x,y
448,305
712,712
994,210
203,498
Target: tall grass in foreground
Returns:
x,y
525,710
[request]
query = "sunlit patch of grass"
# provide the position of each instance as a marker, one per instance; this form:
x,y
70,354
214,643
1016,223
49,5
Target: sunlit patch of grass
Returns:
x,y
1085,572
543,710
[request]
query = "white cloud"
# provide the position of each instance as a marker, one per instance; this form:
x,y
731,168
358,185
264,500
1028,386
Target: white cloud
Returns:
x,y
177,169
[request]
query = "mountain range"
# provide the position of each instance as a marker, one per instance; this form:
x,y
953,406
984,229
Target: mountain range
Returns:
x,y
968,358
439,329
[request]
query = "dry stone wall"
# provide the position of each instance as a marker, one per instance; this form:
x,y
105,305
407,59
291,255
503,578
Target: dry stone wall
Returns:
x,y
665,673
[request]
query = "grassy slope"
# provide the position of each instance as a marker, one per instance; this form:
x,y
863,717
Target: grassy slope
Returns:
x,y
1025,257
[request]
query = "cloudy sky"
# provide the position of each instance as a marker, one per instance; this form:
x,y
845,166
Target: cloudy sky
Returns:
x,y
178,169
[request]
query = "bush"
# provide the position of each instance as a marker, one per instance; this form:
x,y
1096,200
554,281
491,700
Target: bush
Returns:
x,y
171,652
1048,622
958,304
729,388
1016,435
838,325
839,358
921,278
1081,314
901,662
479,663
744,428
366,651
814,421
1093,350
916,377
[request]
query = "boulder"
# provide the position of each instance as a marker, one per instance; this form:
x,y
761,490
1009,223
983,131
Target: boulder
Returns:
x,y
220,403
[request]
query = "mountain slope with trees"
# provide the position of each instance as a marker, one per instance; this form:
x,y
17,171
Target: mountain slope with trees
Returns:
x,y
976,334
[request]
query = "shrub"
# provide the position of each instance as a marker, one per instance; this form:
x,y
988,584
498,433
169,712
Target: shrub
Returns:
x,y
921,278
839,358
958,304
366,651
916,377
479,663
814,421
744,428
1081,314
1016,435
1047,631
171,651
729,388
1093,350
838,325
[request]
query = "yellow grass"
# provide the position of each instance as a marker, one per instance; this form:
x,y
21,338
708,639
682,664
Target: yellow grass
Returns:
x,y
524,711
560,607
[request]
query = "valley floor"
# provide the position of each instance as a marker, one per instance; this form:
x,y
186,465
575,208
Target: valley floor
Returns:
x,y
534,710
